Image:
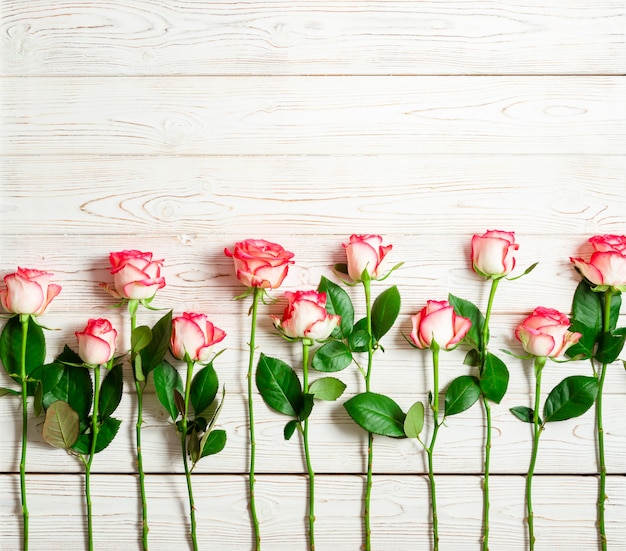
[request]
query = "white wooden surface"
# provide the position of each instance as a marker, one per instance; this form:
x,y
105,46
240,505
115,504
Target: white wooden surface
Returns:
x,y
183,127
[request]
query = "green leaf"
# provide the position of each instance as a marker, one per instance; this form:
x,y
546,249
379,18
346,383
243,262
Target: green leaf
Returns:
x,y
469,310
61,426
341,268
11,347
166,381
385,312
585,346
494,379
472,358
414,421
154,353
359,338
204,388
377,413
290,428
140,338
524,413
572,397
616,305
38,399
307,407
462,394
75,388
338,302
327,388
331,357
587,307
610,345
109,427
193,446
279,385
215,443
8,391
48,375
111,391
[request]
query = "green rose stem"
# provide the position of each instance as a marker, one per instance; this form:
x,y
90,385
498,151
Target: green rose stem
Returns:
x,y
306,345
370,435
487,408
602,497
24,319
540,362
431,447
94,437
257,293
183,442
139,386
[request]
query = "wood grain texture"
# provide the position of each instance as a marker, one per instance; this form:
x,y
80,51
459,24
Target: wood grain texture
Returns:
x,y
564,511
195,196
328,37
314,115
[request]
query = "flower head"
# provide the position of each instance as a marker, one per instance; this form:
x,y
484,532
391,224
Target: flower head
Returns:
x,y
437,324
136,276
607,266
259,263
96,343
28,291
365,255
194,335
306,317
545,333
493,253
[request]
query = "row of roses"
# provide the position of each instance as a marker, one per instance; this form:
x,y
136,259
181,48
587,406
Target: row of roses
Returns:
x,y
81,421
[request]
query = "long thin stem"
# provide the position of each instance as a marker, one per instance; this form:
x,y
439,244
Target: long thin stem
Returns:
x,y
142,482
305,436
537,430
602,497
370,436
95,427
487,408
24,319
258,292
431,447
183,442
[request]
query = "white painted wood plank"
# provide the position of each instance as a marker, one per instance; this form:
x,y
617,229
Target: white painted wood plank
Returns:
x,y
337,444
311,195
564,506
314,115
326,37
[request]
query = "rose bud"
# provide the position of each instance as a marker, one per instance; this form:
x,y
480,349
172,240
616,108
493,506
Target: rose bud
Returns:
x,y
135,275
195,335
607,265
493,253
259,263
438,324
306,317
28,292
546,333
96,343
365,253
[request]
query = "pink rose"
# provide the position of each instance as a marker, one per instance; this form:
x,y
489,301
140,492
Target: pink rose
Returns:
x,y
365,252
135,275
306,317
260,263
28,292
492,253
546,333
194,334
607,265
438,323
96,343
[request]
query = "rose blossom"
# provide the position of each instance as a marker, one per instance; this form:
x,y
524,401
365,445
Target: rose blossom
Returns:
x,y
135,275
546,333
438,323
365,252
306,317
260,263
493,253
194,334
28,291
96,343
607,265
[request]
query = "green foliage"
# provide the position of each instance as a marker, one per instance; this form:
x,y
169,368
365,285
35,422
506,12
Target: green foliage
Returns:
x,y
204,388
462,394
377,413
214,443
494,379
61,426
111,391
385,311
338,302
108,428
279,386
610,345
469,310
11,340
167,381
74,387
290,428
359,338
524,414
154,352
331,357
572,397
327,388
414,421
